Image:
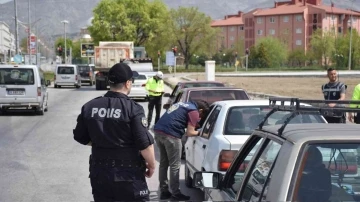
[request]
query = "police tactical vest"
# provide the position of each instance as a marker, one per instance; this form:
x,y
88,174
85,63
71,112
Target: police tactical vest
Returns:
x,y
332,92
175,119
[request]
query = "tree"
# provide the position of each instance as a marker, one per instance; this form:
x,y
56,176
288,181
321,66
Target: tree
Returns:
x,y
263,58
323,44
192,32
297,57
277,49
23,45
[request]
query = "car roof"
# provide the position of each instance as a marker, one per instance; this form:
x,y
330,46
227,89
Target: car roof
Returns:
x,y
66,65
211,88
18,66
316,131
203,81
263,102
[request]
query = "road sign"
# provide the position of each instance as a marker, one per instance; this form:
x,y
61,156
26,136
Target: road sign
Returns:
x,y
170,58
18,59
87,50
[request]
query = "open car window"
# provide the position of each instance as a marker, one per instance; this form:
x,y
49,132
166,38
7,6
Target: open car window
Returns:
x,y
212,96
328,172
243,120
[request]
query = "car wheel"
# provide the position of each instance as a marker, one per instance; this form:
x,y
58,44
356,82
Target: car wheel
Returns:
x,y
55,86
78,86
188,179
40,111
91,83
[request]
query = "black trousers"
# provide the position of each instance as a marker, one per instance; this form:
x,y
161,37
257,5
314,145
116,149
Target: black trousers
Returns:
x,y
111,184
357,118
154,101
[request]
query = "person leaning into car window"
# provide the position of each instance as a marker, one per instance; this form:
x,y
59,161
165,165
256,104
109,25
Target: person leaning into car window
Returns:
x,y
334,90
168,133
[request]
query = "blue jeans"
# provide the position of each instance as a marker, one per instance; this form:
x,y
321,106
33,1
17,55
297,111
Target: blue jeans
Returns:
x,y
170,156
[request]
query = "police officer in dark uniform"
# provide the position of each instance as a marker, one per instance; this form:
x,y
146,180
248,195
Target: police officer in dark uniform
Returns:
x,y
334,90
122,152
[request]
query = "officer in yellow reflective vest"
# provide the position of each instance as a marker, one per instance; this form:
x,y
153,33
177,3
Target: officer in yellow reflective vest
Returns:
x,y
155,87
355,97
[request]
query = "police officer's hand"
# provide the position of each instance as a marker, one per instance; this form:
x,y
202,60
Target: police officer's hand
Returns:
x,y
149,170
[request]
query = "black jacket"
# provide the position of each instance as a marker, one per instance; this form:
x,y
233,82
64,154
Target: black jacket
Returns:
x,y
116,126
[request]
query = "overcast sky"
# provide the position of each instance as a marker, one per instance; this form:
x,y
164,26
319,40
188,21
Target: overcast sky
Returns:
x,y
4,1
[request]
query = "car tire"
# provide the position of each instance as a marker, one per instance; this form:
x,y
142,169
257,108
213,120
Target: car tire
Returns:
x,y
90,83
40,111
77,86
55,86
188,179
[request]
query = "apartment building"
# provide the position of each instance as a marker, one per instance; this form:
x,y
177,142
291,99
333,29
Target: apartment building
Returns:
x,y
7,41
293,22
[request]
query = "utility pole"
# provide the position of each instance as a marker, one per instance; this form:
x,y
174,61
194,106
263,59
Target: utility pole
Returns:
x,y
65,22
351,24
16,30
29,33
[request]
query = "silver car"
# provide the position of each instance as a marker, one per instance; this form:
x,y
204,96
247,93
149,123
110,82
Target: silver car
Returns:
x,y
138,90
291,162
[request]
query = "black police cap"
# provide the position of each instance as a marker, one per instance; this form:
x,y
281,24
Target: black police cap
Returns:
x,y
120,73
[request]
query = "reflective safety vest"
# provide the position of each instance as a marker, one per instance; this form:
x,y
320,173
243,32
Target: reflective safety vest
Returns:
x,y
356,96
155,85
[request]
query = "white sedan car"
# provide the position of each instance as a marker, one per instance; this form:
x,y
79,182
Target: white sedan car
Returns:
x,y
138,90
226,128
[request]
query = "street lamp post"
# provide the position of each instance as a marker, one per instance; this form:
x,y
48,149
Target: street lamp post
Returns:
x,y
16,30
65,22
351,23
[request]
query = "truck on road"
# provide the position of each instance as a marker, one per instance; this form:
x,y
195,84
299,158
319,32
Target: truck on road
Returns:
x,y
109,53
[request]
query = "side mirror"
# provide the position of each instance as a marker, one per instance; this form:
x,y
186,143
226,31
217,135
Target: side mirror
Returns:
x,y
210,180
166,106
48,82
166,94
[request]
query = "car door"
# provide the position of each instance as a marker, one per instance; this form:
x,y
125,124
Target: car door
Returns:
x,y
233,177
258,175
173,95
190,142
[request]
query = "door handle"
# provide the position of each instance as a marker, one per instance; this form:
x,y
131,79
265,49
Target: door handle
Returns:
x,y
204,146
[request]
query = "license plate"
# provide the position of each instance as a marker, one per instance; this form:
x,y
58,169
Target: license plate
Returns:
x,y
16,92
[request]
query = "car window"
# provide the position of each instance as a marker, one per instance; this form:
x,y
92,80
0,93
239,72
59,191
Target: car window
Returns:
x,y
259,175
213,95
174,91
66,70
210,123
141,77
177,99
243,120
84,68
17,76
328,172
194,85
236,173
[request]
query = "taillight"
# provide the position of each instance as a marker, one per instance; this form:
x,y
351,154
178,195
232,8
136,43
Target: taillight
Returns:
x,y
39,91
143,85
76,77
98,74
225,159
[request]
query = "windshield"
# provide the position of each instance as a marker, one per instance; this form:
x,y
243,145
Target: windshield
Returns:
x,y
330,172
212,96
13,76
192,85
141,77
243,120
84,68
65,70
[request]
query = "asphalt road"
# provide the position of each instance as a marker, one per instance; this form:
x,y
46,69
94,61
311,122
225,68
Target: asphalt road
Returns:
x,y
40,160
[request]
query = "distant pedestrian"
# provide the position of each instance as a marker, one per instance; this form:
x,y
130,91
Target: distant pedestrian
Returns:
x,y
334,90
355,97
168,133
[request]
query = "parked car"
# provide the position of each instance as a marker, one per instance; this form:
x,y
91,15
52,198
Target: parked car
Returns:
x,y
23,87
87,74
138,89
67,75
290,162
209,94
226,128
189,84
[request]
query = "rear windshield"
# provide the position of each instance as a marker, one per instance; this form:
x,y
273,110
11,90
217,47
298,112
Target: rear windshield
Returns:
x,y
13,76
66,70
84,68
243,120
141,77
192,85
212,96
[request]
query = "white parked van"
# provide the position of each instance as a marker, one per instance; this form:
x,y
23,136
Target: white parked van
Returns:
x,y
23,87
67,75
